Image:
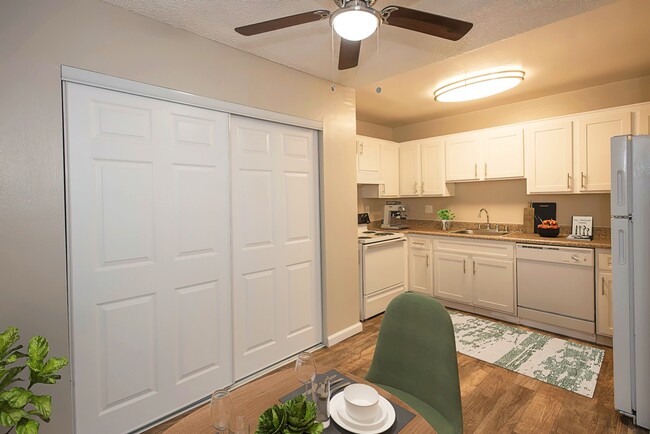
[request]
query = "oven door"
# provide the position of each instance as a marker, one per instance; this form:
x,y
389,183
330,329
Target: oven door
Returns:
x,y
383,275
383,266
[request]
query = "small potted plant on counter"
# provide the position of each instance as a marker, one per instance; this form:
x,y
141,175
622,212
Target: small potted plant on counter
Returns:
x,y
445,216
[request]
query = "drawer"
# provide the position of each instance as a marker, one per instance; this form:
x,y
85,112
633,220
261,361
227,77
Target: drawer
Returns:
x,y
605,261
419,243
484,248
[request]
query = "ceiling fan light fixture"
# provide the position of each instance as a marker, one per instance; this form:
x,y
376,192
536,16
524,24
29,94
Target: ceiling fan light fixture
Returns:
x,y
479,86
355,22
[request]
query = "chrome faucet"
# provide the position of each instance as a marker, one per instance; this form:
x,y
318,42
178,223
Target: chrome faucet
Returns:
x,y
487,215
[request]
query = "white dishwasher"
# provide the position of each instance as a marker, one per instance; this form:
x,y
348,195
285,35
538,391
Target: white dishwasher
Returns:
x,y
555,286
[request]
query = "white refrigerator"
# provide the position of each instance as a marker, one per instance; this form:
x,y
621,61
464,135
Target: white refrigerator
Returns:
x,y
630,206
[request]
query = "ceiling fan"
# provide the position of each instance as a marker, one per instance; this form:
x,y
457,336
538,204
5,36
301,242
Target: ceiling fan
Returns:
x,y
355,20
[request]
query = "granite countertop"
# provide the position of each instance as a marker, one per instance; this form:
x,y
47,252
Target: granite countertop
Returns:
x,y
430,227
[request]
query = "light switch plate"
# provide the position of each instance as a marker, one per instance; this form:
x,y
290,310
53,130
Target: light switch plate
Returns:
x,y
428,209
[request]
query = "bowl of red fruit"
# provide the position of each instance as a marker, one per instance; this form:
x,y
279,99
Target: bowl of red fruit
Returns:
x,y
548,228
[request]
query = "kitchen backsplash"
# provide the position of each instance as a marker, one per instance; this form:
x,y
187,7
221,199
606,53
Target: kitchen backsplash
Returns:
x,y
504,200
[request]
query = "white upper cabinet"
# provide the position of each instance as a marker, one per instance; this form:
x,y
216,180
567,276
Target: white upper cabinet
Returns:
x,y
432,153
368,160
409,169
389,169
594,135
503,153
497,153
644,121
549,157
463,157
422,168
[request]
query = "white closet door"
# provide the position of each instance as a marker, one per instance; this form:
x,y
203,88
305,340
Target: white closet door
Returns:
x,y
276,251
149,257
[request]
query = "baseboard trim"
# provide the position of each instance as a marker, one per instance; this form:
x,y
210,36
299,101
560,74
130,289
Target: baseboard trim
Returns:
x,y
342,335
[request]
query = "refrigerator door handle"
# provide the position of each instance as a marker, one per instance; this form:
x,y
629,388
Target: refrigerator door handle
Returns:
x,y
620,197
620,239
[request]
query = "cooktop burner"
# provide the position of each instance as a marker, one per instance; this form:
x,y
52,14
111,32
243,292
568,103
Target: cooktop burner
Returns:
x,y
369,232
364,238
383,234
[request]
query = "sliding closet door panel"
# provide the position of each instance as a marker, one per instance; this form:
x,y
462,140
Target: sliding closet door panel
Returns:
x,y
149,257
276,262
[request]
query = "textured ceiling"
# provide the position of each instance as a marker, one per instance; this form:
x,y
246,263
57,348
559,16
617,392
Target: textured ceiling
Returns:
x,y
405,63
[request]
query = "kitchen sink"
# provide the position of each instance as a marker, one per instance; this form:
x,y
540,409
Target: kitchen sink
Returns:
x,y
481,232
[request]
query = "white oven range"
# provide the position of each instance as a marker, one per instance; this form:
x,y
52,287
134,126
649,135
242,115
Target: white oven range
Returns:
x,y
382,267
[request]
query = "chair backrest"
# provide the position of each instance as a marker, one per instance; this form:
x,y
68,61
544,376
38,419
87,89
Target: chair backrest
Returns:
x,y
416,353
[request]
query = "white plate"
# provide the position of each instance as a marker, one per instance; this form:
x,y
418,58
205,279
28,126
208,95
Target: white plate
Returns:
x,y
337,408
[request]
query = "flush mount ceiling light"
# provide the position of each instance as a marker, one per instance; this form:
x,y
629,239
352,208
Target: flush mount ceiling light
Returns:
x,y
356,21
479,86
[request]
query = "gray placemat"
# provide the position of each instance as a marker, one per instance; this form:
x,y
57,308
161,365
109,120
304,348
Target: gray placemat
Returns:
x,y
402,415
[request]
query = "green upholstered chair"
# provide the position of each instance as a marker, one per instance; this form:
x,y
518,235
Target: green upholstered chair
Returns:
x,y
415,360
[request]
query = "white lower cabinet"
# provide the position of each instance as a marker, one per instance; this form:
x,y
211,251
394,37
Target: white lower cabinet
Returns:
x,y
479,273
604,320
494,284
420,263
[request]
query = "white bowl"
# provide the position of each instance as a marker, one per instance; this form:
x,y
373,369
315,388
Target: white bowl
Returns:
x,y
361,401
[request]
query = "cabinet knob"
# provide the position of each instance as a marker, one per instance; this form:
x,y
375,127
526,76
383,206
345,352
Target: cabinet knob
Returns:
x,y
415,188
475,170
568,181
486,170
582,180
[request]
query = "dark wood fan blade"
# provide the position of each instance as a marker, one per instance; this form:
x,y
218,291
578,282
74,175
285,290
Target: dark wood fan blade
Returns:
x,y
349,54
281,23
424,22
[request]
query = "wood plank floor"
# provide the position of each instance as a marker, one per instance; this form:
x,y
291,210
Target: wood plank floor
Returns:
x,y
496,400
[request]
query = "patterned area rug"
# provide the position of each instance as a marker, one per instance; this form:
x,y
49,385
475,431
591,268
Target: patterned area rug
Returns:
x,y
571,366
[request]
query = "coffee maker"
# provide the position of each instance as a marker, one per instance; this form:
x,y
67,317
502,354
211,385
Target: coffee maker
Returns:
x,y
394,216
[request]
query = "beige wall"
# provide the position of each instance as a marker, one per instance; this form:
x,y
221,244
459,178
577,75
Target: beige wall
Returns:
x,y
593,98
504,200
374,130
36,37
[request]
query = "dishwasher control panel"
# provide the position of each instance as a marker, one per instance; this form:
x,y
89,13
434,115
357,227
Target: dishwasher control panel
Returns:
x,y
560,255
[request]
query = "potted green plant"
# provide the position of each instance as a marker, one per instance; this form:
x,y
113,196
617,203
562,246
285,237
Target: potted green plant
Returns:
x,y
445,216
19,407
294,416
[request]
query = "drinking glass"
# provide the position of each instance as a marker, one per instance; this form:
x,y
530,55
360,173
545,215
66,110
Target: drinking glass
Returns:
x,y
305,370
239,425
321,395
220,410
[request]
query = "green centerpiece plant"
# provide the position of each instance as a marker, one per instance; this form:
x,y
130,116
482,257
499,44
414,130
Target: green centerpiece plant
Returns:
x,y
445,216
20,407
295,416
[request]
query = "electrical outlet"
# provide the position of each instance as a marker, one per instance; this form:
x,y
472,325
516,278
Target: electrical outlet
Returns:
x,y
428,209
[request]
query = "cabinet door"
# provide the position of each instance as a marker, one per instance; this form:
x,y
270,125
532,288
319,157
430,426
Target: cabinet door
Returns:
x,y
604,321
451,278
462,157
389,171
420,271
549,158
594,136
494,284
503,153
433,168
368,160
644,121
409,169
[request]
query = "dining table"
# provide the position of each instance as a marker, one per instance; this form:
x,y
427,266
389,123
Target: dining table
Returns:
x,y
253,398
